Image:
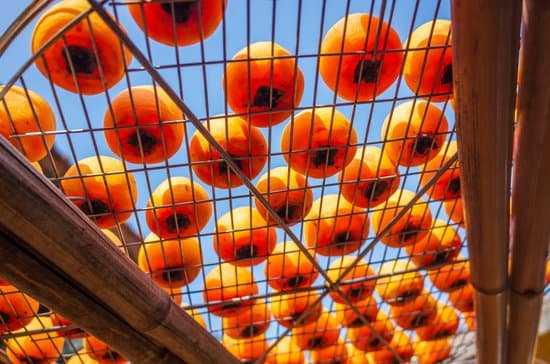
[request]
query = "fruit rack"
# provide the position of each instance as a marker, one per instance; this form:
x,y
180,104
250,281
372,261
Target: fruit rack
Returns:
x,y
264,181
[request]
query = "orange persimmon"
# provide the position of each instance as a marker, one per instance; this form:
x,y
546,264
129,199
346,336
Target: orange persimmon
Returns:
x,y
333,354
287,308
547,274
319,142
89,51
402,345
81,357
444,324
178,23
447,186
419,312
175,293
286,352
171,263
42,347
365,339
428,61
102,189
265,80
348,318
288,268
243,238
59,320
334,227
463,298
178,207
399,286
354,291
414,133
247,350
3,282
411,227
100,351
194,313
16,309
440,246
287,193
252,321
142,125
455,210
115,239
244,143
226,284
470,318
318,334
369,179
24,112
432,352
361,57
451,276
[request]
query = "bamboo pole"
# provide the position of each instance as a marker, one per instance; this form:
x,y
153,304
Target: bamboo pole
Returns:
x,y
531,195
47,223
485,51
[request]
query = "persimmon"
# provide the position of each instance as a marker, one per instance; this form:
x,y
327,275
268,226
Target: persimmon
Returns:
x,y
37,166
401,284
247,350
333,354
411,227
451,276
3,282
115,239
178,23
89,51
264,80
414,133
252,321
319,142
318,334
432,352
141,126
175,293
42,347
428,67
547,274
419,312
455,210
445,324
243,142
361,57
102,189
447,186
334,227
171,263
368,308
369,179
440,246
26,112
61,321
470,318
289,268
100,351
286,352
362,272
400,342
287,193
16,309
225,285
365,339
81,357
463,298
287,308
179,207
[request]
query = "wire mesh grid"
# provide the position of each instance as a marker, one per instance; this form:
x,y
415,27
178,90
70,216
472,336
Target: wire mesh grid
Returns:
x,y
286,170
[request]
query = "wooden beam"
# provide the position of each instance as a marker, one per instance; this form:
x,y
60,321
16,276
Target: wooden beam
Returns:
x,y
49,225
531,195
485,43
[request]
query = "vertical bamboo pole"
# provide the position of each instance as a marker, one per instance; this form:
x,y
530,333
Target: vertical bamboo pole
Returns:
x,y
485,50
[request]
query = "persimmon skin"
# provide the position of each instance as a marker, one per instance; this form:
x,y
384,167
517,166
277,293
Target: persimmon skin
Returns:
x,y
318,334
441,245
287,193
16,308
159,23
102,189
399,288
451,276
276,84
447,186
428,72
227,282
100,351
58,320
363,337
411,227
143,115
444,324
419,312
54,62
463,298
243,142
333,354
42,347
414,133
432,352
247,350
354,292
289,268
356,74
369,179
243,238
287,308
470,318
253,321
400,342
547,274
179,207
348,318
319,142
171,263
334,227
286,352
455,210
22,114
